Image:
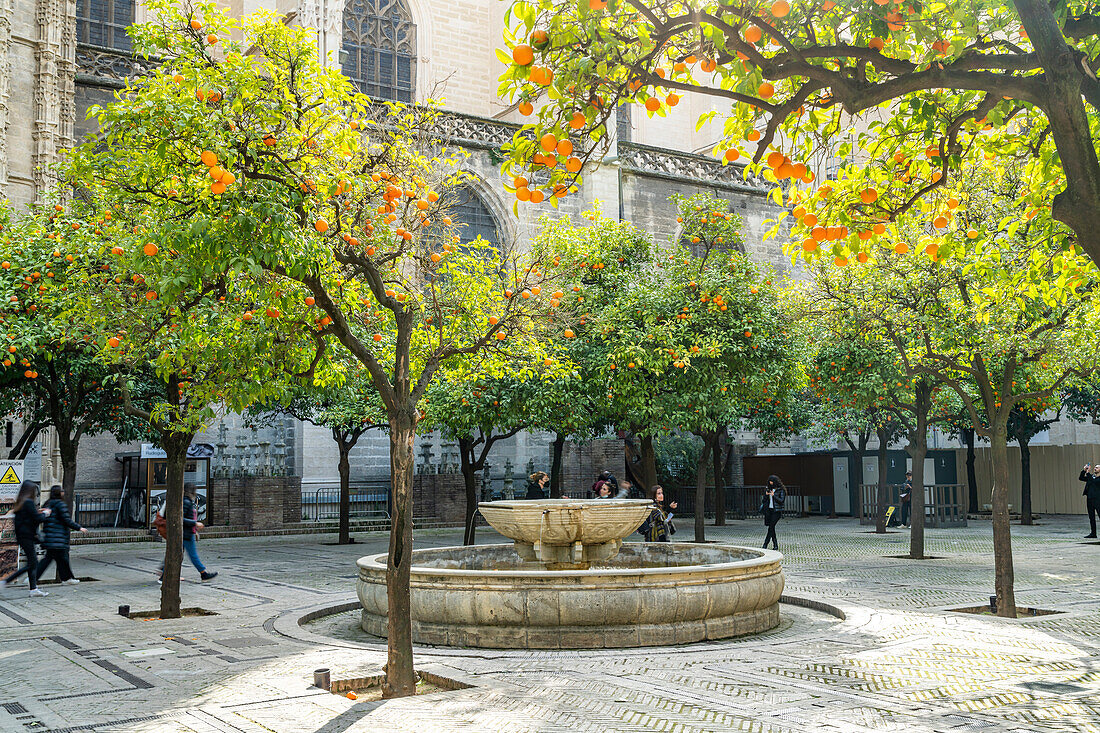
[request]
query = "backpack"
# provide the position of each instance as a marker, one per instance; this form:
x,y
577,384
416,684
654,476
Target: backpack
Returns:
x,y
161,525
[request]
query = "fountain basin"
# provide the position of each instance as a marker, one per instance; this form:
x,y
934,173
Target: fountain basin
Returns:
x,y
566,533
650,594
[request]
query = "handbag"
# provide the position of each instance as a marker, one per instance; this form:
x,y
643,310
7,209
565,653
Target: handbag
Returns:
x,y
161,525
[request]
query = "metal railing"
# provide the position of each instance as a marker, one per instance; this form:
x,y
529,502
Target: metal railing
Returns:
x,y
944,504
94,511
741,501
368,501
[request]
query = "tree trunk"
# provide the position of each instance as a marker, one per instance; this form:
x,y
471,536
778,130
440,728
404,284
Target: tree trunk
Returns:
x,y
971,475
465,452
555,465
345,489
857,456
175,447
883,496
917,449
1025,481
701,493
68,469
1002,531
649,463
719,477
400,675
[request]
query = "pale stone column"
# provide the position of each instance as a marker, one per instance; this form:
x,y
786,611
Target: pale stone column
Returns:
x,y
327,18
54,87
6,10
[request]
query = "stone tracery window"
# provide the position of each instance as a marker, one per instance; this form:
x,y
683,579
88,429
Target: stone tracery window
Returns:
x,y
379,48
470,210
103,23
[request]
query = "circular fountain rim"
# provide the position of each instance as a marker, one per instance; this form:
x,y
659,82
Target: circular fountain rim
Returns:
x,y
766,557
563,502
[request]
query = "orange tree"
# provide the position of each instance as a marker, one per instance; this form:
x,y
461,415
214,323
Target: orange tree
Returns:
x,y
1000,326
178,336
687,342
911,90
50,375
271,167
347,405
857,381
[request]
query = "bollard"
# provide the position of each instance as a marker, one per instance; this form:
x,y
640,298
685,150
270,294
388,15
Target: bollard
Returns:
x,y
124,611
993,604
321,678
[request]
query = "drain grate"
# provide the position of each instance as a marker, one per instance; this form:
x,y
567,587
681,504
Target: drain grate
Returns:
x,y
14,708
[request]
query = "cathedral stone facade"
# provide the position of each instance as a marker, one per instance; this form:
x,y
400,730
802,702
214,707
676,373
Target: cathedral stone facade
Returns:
x,y
59,57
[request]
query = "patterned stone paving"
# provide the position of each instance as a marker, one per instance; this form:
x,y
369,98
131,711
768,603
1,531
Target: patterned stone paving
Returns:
x,y
899,661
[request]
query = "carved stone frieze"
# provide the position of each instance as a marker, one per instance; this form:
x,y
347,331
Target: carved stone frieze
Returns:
x,y
107,67
662,162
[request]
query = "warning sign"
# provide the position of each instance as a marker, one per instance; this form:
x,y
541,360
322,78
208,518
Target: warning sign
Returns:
x,y
11,475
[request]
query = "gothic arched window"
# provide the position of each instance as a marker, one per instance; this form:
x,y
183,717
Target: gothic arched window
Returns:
x,y
378,52
469,210
104,22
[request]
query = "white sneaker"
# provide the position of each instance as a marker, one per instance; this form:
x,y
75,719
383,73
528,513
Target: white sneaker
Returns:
x,y
38,593
71,581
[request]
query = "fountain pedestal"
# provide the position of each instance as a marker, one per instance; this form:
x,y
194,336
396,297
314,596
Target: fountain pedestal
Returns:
x,y
577,556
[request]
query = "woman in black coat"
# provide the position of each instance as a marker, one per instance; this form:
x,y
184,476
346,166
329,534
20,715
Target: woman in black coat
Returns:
x,y
27,519
658,527
55,537
772,508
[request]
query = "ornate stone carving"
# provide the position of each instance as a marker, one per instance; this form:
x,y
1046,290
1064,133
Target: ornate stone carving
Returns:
x,y
467,130
5,90
660,162
107,67
55,68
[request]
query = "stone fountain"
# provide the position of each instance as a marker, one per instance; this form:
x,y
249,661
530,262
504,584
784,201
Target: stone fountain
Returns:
x,y
568,581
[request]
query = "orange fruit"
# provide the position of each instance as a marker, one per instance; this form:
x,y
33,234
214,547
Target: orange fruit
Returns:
x,y
565,148
972,233
940,222
809,245
780,8
523,193
208,158
876,43
501,336
151,295
597,4
568,333
863,256
113,342
526,108
548,142
310,300
732,154
578,120
523,54
653,104
377,337
229,179
810,220
752,135
753,34
573,164
150,249
775,159
211,39
321,225
537,196
539,38
868,195
196,25
766,90
901,248
672,100
879,228
217,188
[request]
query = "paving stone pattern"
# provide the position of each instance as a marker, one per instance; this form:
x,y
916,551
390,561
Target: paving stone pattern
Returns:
x,y
899,661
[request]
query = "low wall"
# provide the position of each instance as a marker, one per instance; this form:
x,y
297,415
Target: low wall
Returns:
x,y
1055,488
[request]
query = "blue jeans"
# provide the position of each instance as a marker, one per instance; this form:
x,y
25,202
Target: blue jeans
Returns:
x,y
191,547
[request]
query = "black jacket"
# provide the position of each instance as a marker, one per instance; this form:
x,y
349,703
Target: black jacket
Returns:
x,y
780,496
190,519
1092,485
27,519
534,491
56,527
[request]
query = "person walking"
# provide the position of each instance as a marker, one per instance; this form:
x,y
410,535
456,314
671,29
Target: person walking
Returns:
x,y
539,486
27,519
658,526
55,537
1091,494
772,508
906,498
191,528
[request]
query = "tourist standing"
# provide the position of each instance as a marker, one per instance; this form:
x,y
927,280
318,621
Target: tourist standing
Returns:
x,y
605,477
906,498
55,537
1092,495
538,487
658,525
27,519
191,528
772,508
604,490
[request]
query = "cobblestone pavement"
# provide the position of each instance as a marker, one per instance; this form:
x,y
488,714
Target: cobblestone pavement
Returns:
x,y
899,661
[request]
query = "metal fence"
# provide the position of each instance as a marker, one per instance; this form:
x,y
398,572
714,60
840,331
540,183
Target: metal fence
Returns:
x,y
741,501
369,500
94,511
944,504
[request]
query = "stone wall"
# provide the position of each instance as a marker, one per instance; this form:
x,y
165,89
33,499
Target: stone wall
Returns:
x,y
439,497
583,462
256,502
